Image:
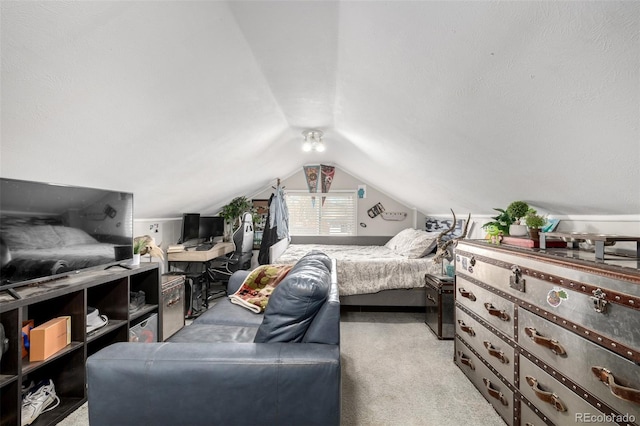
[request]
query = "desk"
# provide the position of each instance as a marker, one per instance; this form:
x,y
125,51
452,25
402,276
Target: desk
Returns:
x,y
203,257
219,249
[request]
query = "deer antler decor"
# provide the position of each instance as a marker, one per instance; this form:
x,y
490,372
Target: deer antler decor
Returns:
x,y
443,246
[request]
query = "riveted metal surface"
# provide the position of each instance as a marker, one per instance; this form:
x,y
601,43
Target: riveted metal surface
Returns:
x,y
563,300
576,407
493,349
580,356
484,379
494,309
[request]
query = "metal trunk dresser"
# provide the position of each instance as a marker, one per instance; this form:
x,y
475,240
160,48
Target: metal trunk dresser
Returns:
x,y
549,336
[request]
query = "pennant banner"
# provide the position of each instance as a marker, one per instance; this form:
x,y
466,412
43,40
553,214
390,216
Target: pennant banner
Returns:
x,y
312,173
327,178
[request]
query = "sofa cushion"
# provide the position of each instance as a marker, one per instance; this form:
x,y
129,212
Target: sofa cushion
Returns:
x,y
226,313
296,300
214,333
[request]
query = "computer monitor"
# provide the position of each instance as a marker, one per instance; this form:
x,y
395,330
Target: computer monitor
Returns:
x,y
190,227
211,227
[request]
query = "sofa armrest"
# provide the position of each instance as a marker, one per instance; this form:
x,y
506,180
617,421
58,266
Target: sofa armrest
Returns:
x,y
235,281
221,383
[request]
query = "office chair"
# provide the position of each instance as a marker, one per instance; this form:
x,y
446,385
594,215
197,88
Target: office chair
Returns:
x,y
221,268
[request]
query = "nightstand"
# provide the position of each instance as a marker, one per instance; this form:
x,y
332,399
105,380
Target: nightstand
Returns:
x,y
439,305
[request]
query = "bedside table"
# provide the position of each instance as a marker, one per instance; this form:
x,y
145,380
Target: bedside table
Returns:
x,y
439,305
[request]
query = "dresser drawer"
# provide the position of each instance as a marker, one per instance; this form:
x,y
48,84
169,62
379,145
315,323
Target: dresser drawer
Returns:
x,y
566,292
575,357
529,415
497,311
489,385
559,404
493,349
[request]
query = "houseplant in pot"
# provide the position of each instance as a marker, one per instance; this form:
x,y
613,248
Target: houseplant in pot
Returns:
x,y
232,213
534,222
516,211
500,223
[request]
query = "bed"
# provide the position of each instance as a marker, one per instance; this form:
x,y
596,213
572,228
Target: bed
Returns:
x,y
384,274
36,248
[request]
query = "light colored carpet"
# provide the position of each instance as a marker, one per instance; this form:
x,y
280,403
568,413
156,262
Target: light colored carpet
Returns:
x,y
395,372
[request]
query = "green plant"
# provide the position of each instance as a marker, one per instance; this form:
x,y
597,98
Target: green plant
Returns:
x,y
234,210
534,220
501,222
138,245
517,209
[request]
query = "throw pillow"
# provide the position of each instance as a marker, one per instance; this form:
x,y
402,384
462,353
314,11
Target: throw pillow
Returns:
x,y
296,300
256,288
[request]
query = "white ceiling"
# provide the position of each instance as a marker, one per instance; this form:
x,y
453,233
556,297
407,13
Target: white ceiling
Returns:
x,y
440,104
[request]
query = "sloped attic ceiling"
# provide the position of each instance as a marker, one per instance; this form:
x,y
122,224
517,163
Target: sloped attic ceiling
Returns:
x,y
468,105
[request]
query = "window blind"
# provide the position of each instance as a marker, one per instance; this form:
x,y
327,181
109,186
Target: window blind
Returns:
x,y
332,213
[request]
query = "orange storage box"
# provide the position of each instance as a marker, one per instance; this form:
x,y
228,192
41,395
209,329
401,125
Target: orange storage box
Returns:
x,y
48,338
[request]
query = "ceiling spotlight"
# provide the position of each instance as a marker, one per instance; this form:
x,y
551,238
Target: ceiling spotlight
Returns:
x,y
313,141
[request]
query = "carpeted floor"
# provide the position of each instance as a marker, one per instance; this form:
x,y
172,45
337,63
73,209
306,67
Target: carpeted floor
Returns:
x,y
395,372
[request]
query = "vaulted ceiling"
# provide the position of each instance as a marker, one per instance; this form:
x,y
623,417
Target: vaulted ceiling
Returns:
x,y
439,104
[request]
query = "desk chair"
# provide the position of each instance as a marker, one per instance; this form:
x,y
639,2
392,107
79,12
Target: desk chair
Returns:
x,y
221,268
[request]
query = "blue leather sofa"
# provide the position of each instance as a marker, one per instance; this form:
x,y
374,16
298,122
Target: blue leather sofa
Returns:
x,y
232,366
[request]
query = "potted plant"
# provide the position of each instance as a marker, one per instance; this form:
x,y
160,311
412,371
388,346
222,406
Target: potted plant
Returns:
x,y
499,223
232,212
138,245
516,211
534,222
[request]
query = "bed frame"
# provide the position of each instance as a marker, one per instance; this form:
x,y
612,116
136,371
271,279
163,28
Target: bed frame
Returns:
x,y
414,297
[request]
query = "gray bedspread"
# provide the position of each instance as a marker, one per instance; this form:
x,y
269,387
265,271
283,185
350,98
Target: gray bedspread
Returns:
x,y
368,269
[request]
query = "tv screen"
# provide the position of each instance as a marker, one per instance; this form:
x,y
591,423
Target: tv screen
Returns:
x,y
49,230
190,227
211,227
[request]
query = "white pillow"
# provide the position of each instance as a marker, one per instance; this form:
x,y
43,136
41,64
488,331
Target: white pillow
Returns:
x,y
413,243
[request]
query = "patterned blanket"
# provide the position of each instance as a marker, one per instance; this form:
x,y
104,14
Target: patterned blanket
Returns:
x,y
254,292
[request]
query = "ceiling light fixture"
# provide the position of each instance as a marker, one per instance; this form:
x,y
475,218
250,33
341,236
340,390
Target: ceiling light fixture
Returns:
x,y
313,141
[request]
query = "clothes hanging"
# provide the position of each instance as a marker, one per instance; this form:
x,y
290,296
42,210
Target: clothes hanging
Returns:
x,y
269,237
279,214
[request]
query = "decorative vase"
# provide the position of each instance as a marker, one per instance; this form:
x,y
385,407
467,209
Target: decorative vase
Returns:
x,y
518,230
136,259
534,233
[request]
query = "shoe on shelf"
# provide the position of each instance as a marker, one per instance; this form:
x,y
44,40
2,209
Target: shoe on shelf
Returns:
x,y
95,321
40,400
136,300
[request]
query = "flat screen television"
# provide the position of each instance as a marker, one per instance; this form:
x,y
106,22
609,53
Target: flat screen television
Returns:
x,y
190,228
211,227
49,230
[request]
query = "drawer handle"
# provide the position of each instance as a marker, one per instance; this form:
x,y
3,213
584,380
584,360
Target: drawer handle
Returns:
x,y
496,352
430,297
538,338
496,312
467,294
622,392
464,327
494,392
466,360
548,397
173,301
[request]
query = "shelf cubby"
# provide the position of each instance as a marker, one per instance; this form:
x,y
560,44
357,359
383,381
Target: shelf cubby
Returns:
x,y
108,291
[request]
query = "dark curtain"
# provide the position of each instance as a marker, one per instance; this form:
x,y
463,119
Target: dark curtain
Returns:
x,y
269,238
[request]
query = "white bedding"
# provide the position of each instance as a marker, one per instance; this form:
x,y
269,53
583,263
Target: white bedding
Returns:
x,y
368,269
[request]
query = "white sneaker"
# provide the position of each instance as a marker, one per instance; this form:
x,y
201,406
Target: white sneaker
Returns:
x,y
39,401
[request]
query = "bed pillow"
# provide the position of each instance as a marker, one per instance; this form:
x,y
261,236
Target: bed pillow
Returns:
x,y
296,300
73,236
413,243
30,237
400,239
